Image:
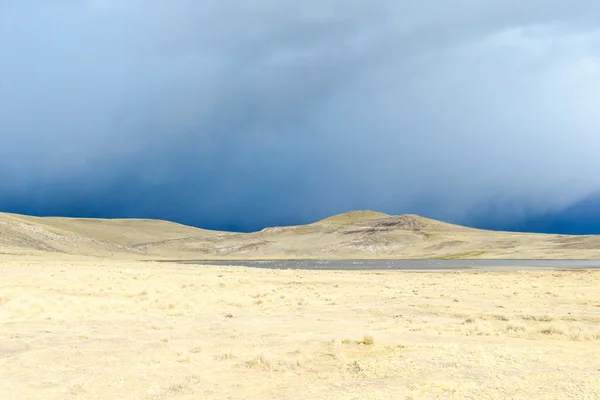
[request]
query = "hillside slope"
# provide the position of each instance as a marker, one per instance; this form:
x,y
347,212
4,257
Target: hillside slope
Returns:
x,y
357,234
20,234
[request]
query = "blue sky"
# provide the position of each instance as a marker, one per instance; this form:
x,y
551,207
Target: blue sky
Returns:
x,y
240,115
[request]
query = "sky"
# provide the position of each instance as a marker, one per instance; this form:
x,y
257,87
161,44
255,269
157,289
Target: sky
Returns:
x,y
240,115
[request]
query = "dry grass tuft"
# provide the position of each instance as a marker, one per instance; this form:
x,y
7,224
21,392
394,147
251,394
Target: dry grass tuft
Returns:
x,y
260,362
553,331
176,388
228,355
539,318
515,328
367,340
77,388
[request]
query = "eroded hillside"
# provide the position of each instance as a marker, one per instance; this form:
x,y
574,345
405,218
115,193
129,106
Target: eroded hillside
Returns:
x,y
357,234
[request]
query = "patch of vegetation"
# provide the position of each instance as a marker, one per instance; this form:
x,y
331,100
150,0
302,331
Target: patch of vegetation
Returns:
x,y
515,328
428,236
539,318
260,362
176,388
228,355
368,340
552,331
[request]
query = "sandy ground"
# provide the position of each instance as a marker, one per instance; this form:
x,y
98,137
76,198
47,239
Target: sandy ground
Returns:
x,y
94,329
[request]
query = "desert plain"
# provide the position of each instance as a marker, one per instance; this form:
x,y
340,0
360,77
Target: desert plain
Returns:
x,y
112,326
84,328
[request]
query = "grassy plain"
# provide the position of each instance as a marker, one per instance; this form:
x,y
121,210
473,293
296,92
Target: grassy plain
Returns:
x,y
94,328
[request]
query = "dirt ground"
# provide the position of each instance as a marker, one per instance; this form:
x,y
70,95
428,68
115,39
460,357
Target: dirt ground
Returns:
x,y
83,328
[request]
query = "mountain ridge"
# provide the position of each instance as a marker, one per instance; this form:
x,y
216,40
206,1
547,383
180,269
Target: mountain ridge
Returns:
x,y
359,234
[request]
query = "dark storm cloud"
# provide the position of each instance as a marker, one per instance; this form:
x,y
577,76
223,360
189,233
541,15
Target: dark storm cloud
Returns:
x,y
244,114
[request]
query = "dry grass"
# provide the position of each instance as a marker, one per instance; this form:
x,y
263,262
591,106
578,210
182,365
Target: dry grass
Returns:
x,y
542,318
92,328
367,340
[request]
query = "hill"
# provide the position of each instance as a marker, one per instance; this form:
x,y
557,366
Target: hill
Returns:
x,y
357,234
20,234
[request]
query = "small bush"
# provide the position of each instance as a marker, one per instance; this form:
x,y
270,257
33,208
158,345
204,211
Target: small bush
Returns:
x,y
368,340
552,331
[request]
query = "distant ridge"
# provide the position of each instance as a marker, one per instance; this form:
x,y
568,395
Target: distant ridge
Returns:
x,y
353,217
363,234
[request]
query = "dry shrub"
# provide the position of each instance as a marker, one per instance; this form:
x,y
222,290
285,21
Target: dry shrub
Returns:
x,y
367,340
515,328
539,318
553,331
